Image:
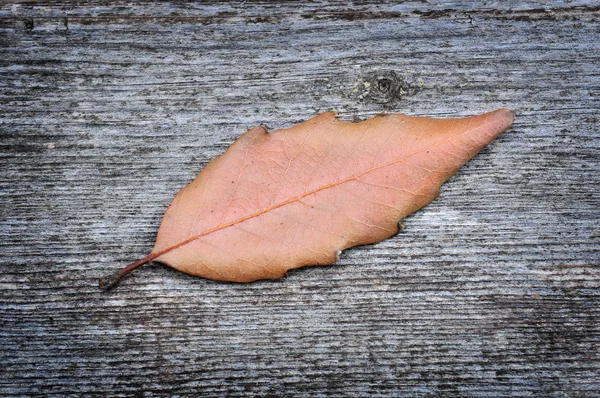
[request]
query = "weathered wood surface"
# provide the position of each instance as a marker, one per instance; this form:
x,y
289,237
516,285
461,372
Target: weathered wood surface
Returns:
x,y
107,110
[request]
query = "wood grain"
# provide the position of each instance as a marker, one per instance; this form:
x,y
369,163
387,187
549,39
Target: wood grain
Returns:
x,y
107,110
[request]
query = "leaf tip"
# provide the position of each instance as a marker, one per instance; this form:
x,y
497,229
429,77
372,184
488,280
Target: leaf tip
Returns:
x,y
506,115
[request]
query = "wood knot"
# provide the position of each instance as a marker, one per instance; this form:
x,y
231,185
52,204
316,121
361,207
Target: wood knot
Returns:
x,y
386,87
29,24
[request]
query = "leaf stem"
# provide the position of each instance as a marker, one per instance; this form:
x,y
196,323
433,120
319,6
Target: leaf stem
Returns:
x,y
113,279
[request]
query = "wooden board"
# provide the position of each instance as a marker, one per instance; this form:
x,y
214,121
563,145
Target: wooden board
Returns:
x,y
107,110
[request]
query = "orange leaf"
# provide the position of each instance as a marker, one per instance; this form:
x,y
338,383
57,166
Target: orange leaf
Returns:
x,y
294,197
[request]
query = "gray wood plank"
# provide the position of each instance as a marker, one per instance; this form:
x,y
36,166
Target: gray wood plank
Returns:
x,y
106,110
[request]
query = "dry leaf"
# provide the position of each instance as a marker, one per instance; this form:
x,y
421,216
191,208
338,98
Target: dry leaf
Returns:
x,y
282,200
